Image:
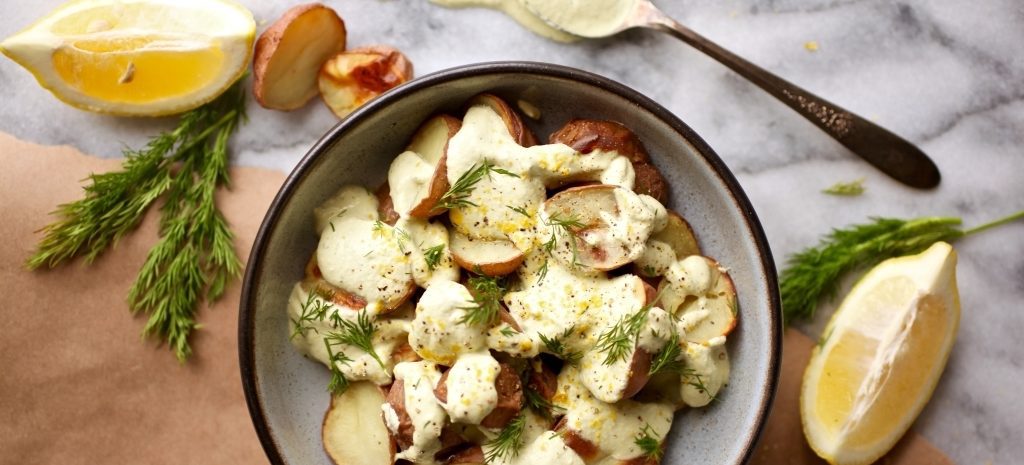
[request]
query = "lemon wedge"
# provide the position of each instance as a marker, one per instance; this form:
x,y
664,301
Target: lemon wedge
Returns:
x,y
881,356
137,57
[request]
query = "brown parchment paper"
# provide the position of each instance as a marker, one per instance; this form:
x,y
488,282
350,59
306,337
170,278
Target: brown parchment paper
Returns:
x,y
77,386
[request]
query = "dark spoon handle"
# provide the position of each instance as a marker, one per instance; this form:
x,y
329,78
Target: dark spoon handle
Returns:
x,y
888,152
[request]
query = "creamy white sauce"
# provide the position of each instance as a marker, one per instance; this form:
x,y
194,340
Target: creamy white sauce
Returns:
x,y
708,372
363,366
484,136
517,11
423,235
585,18
587,303
437,334
426,414
656,259
366,258
471,392
612,427
409,181
548,449
350,201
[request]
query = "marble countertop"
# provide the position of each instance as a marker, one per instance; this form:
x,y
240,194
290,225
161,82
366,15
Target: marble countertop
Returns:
x,y
948,76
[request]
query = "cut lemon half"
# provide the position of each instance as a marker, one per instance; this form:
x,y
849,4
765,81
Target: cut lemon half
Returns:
x,y
881,356
137,57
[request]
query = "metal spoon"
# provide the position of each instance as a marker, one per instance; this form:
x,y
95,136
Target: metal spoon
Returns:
x,y
888,152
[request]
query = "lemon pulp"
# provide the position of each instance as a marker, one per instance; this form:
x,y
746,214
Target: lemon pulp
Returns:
x,y
115,71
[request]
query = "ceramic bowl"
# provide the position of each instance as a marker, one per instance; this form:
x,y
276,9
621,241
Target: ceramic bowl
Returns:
x,y
286,392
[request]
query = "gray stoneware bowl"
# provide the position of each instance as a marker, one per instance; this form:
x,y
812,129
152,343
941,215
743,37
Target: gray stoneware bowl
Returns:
x,y
286,392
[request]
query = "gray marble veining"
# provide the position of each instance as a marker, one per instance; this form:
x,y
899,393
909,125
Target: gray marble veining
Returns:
x,y
946,75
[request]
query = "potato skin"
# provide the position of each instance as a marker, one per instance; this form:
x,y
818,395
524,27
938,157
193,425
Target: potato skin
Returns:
x,y
510,397
396,398
649,181
513,122
587,135
385,206
582,446
267,44
639,373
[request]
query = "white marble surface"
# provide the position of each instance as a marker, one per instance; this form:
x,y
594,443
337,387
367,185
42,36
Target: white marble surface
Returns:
x,y
948,75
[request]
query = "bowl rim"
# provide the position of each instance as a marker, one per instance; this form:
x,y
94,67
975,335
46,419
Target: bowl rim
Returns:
x,y
247,301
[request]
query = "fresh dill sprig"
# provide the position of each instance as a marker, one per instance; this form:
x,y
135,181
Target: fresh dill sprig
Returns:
x,y
487,292
539,404
400,235
649,442
358,333
313,309
815,272
520,210
508,331
559,226
556,345
668,360
194,258
508,442
618,340
433,256
339,382
458,193
848,189
694,379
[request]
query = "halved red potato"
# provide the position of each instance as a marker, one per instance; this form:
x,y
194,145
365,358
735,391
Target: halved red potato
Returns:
x,y
639,372
366,258
708,371
396,400
288,55
472,455
332,293
431,143
353,431
583,447
510,397
587,135
721,312
354,201
586,204
386,206
679,235
522,134
349,79
488,257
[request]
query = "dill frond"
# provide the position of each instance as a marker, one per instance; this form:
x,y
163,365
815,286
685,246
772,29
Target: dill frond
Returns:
x,y
358,333
556,345
487,292
649,442
458,193
433,256
669,359
508,442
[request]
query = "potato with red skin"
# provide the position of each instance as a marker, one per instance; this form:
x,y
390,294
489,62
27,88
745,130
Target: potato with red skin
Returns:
x,y
510,397
349,79
357,410
587,135
522,134
431,143
386,207
289,54
396,399
587,450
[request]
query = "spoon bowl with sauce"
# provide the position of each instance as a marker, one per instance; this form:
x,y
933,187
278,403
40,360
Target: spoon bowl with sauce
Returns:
x,y
888,152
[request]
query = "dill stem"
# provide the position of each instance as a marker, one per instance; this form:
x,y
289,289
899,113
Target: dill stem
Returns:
x,y
992,224
202,136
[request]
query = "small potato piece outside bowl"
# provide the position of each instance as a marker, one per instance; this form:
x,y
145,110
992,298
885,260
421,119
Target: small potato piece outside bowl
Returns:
x,y
286,392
